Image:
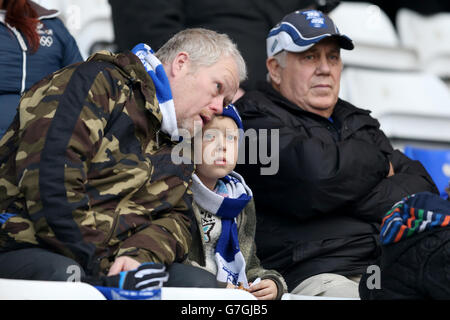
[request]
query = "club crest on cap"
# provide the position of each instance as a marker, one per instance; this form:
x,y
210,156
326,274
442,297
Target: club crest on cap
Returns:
x,y
315,18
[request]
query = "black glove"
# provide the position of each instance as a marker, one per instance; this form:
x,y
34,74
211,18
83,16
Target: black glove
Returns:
x,y
146,276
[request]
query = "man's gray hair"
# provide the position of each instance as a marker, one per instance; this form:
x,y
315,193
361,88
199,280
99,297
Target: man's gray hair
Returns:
x,y
281,59
205,48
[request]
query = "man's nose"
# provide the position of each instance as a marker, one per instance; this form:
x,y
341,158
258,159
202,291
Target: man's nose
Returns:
x,y
221,143
323,64
217,105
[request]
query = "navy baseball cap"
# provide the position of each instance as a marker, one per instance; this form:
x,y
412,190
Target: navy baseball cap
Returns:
x,y
300,30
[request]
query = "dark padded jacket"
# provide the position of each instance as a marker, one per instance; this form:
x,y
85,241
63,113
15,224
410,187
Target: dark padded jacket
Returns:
x,y
322,210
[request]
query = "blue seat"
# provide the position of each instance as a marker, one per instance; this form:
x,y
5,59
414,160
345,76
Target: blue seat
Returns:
x,y
436,162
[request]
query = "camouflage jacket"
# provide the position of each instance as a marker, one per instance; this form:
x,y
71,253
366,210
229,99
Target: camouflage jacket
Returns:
x,y
85,171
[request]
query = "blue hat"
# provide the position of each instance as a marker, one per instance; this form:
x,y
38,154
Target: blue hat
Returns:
x,y
231,112
300,30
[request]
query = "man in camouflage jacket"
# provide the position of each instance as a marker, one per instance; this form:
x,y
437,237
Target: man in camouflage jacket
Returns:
x,y
86,172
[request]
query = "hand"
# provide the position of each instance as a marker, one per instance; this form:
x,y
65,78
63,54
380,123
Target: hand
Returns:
x,y
146,276
264,290
230,286
391,170
123,263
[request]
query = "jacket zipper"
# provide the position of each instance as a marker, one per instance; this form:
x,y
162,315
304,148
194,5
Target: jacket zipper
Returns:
x,y
24,48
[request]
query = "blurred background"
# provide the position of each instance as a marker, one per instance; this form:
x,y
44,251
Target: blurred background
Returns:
x,y
400,68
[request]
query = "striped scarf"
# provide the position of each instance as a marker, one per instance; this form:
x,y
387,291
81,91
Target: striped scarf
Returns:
x,y
229,259
157,73
414,214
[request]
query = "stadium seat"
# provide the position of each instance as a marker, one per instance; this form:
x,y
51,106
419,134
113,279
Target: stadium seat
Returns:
x,y
375,38
429,36
92,28
97,34
437,163
409,105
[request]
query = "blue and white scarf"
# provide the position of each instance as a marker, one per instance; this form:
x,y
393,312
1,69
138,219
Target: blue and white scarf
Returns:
x,y
157,73
229,259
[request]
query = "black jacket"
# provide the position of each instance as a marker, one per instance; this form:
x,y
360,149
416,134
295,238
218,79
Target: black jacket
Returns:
x,y
322,210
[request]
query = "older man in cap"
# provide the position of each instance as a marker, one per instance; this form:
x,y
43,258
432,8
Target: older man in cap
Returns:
x,y
319,215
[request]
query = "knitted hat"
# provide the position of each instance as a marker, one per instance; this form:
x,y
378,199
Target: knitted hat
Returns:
x,y
231,112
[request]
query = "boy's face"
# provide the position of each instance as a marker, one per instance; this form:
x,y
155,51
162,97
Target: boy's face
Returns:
x,y
219,150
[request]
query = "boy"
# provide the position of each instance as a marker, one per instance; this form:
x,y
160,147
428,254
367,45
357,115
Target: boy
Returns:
x,y
225,213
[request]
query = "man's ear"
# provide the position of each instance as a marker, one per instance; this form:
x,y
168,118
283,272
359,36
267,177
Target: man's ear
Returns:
x,y
274,69
180,65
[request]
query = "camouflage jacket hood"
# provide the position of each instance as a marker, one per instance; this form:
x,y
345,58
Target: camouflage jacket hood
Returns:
x,y
85,172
